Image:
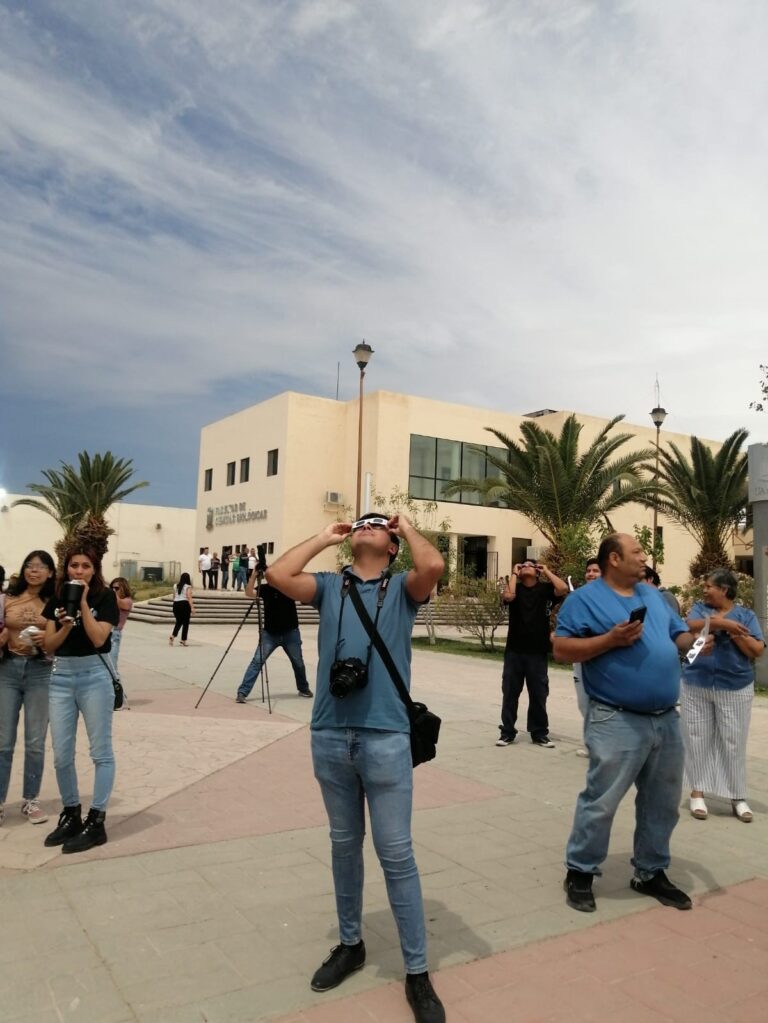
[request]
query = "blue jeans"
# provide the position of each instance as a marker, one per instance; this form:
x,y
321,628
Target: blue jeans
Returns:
x,y
352,765
290,642
23,683
82,685
224,577
115,649
628,749
241,578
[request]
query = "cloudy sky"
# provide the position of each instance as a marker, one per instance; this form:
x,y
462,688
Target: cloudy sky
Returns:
x,y
518,203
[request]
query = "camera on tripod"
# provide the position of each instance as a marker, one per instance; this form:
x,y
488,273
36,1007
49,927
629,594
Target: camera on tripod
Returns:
x,y
261,558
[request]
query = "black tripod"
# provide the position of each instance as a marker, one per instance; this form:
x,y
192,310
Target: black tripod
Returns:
x,y
263,669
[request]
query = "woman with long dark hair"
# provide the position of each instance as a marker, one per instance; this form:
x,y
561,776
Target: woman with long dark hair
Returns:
x,y
24,675
81,683
183,608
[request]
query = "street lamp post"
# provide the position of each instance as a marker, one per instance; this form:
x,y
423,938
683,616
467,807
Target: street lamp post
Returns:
x,y
658,415
362,354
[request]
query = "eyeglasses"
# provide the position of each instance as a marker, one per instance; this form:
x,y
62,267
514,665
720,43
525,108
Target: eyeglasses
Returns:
x,y
374,523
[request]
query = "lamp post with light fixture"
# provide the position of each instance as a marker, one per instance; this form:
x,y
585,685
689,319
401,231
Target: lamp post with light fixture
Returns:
x,y
658,415
362,354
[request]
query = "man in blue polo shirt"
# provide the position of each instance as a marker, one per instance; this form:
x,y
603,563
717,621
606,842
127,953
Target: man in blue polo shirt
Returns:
x,y
629,642
360,732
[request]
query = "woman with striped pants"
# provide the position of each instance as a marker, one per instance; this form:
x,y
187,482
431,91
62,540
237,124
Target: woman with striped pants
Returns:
x,y
717,694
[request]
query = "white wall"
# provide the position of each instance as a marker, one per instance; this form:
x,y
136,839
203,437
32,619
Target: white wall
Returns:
x,y
137,536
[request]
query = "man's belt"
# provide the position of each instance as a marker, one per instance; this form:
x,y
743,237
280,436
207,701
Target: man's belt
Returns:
x,y
631,710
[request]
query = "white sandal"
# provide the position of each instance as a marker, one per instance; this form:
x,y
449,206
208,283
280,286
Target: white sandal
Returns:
x,y
699,808
741,810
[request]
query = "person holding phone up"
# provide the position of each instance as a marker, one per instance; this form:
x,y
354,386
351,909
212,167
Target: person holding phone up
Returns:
x,y
629,642
530,593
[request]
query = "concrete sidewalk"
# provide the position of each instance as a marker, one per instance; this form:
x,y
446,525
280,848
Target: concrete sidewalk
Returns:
x,y
213,899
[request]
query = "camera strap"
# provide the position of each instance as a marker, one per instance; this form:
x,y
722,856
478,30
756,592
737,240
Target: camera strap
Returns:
x,y
348,587
377,641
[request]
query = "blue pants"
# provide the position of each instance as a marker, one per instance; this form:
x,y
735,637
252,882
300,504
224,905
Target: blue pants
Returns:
x,y
627,749
23,683
290,642
82,685
353,765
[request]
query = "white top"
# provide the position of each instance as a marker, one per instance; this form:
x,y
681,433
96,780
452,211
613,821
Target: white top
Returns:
x,y
184,595
204,561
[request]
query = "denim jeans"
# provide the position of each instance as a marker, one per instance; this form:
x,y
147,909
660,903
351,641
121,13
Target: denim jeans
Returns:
x,y
82,685
529,670
23,683
114,652
627,749
224,577
241,578
352,765
290,642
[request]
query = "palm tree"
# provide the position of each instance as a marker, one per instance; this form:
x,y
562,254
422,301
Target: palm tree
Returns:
x,y
561,491
707,494
79,499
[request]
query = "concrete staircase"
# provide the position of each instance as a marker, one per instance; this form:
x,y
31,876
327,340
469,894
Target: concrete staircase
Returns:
x,y
225,607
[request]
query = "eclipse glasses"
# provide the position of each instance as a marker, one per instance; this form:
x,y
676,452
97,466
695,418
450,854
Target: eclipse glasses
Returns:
x,y
376,522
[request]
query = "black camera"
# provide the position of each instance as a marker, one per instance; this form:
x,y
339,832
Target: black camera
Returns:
x,y
261,559
347,677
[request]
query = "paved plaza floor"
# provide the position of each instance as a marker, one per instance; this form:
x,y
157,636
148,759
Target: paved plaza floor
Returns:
x,y
213,901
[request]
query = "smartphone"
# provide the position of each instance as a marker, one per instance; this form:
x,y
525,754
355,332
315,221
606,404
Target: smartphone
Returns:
x,y
638,615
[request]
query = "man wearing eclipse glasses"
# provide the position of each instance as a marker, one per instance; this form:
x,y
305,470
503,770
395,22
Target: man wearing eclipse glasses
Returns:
x,y
530,593
361,733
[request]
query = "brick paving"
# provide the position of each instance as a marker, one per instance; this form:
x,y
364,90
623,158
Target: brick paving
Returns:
x,y
213,903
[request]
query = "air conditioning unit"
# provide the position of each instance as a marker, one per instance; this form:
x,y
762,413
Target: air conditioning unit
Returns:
x,y
537,553
333,497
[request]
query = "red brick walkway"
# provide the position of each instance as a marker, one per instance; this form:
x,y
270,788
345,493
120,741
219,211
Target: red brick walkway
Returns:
x,y
709,965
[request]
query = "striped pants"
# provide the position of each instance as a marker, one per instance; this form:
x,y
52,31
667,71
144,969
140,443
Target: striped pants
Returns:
x,y
715,726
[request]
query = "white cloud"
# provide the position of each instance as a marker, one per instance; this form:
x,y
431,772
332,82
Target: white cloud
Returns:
x,y
560,198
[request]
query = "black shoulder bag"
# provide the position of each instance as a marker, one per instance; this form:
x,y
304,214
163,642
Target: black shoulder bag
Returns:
x,y
425,726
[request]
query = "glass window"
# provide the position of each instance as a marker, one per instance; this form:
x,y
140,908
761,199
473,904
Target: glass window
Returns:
x,y
230,474
208,480
422,461
473,463
418,486
448,460
272,462
245,469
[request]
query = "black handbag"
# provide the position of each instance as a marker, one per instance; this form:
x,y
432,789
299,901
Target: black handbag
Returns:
x,y
116,683
425,726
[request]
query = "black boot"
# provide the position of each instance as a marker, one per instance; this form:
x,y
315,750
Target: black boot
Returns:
x,y
92,833
70,824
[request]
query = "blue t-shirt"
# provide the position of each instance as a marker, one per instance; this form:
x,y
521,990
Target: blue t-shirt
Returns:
x,y
643,677
726,667
378,705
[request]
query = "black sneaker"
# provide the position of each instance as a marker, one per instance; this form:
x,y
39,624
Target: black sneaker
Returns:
x,y
427,1007
578,891
343,960
543,740
239,699
306,692
505,740
91,835
70,824
661,888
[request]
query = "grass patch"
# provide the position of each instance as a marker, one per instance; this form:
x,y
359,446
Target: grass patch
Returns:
x,y
467,648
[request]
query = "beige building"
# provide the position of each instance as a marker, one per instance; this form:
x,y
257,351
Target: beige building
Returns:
x,y
150,541
279,471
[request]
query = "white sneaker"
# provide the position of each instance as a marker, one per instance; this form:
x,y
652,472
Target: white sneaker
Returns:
x,y
31,810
